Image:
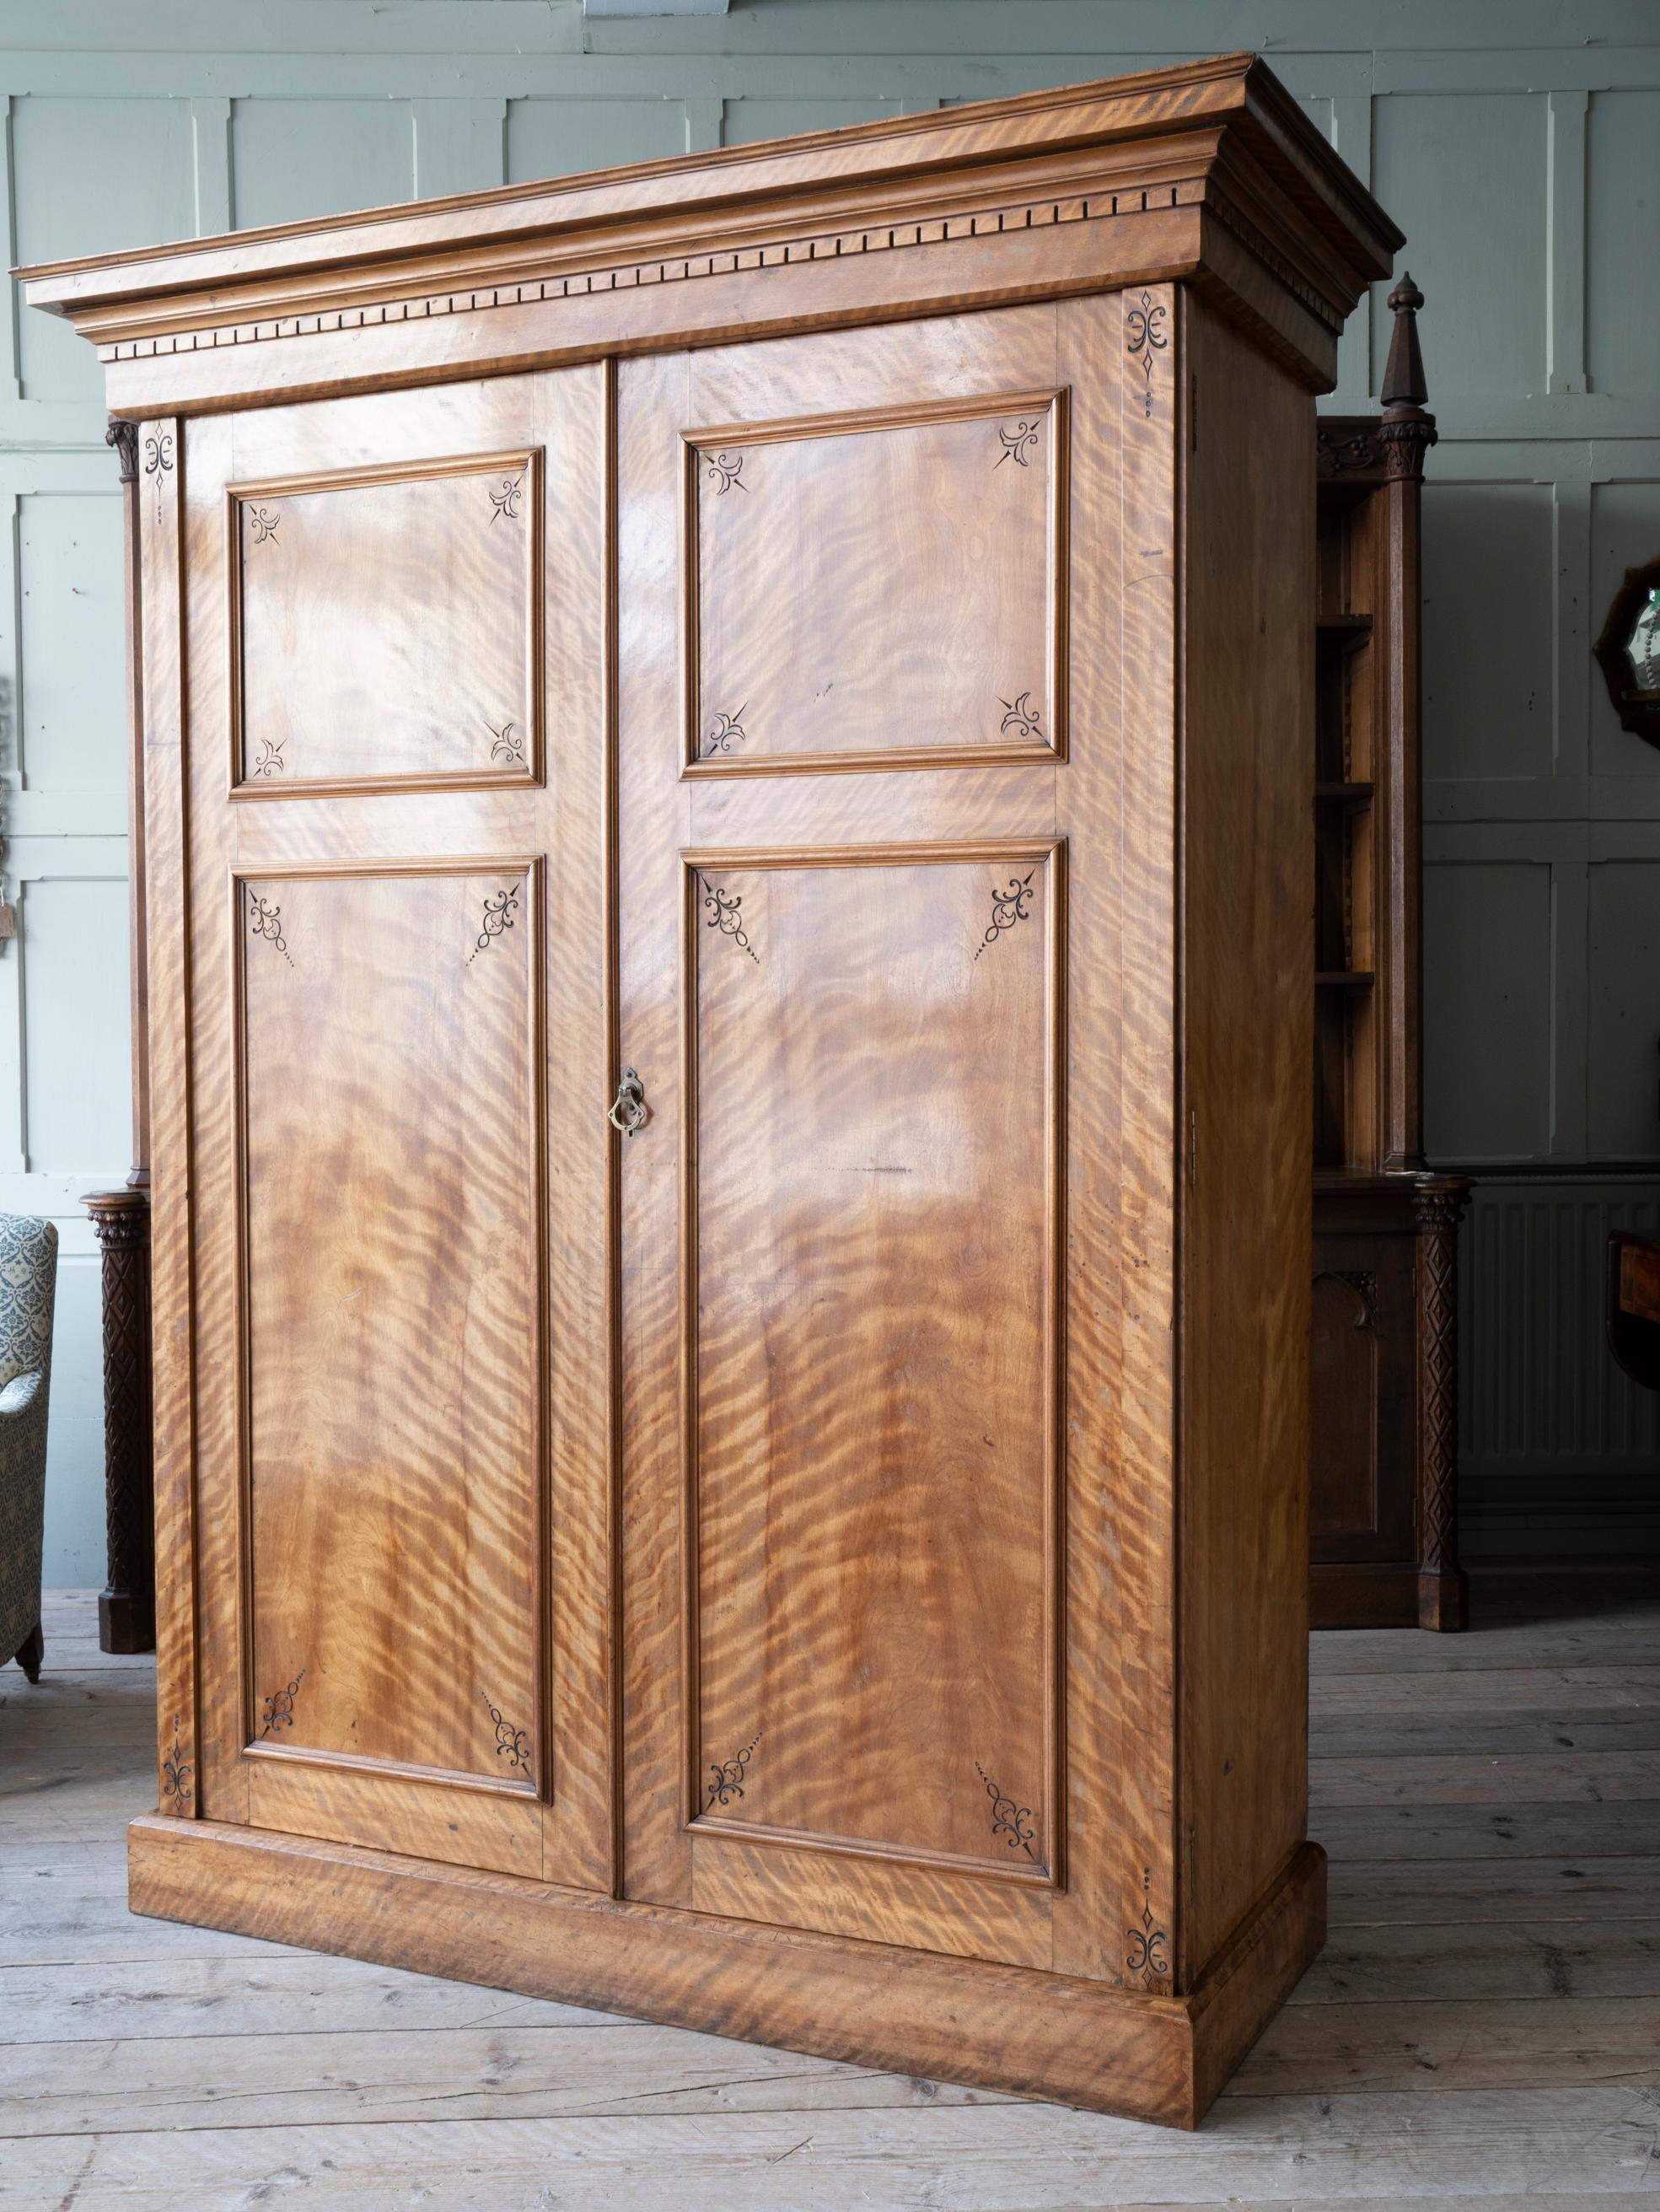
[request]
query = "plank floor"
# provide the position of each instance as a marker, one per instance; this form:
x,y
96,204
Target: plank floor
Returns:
x,y
1484,2022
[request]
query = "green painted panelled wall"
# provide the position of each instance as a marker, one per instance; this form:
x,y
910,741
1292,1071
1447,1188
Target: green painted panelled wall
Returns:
x,y
1515,142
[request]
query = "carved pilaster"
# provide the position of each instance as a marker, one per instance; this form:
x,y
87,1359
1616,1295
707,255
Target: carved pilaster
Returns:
x,y
126,1607
1441,1586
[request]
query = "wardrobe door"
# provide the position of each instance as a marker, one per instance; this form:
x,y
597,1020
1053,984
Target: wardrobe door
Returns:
x,y
395,672
846,964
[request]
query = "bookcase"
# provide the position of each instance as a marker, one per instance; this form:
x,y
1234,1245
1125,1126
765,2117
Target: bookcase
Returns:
x,y
1383,1520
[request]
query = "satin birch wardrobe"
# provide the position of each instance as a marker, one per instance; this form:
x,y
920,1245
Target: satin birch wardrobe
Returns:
x,y
726,753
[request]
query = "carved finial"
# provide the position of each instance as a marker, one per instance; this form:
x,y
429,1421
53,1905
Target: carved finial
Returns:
x,y
1403,376
123,436
1408,432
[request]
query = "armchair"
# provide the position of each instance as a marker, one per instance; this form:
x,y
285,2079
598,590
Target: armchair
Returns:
x,y
28,1278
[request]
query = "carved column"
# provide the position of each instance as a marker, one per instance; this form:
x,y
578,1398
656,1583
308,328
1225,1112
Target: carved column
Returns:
x,y
1442,1589
126,1607
121,1218
1404,435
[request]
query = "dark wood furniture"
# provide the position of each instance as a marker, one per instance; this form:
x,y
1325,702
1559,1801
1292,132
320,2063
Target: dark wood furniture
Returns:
x,y
121,1218
1384,1511
803,626
1633,1305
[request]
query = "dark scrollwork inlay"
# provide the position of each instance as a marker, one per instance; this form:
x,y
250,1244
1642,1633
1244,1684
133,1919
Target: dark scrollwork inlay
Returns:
x,y
503,504
266,921
158,460
729,728
725,470
264,521
176,1771
513,1744
499,912
1021,716
1147,1955
1018,442
1144,336
726,1775
271,761
723,907
506,746
279,1706
1011,1821
1007,908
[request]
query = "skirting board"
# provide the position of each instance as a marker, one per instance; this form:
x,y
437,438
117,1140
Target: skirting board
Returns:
x,y
1035,2034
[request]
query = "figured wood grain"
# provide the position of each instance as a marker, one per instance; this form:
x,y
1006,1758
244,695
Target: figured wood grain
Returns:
x,y
1228,180
393,1337
800,834
878,589
327,692
158,528
419,1554
1247,760
828,1457
966,2020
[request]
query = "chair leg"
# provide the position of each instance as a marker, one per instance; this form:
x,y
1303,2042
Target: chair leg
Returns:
x,y
30,1651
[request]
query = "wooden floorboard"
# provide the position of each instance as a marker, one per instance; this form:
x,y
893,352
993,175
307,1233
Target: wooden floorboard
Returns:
x,y
1484,2022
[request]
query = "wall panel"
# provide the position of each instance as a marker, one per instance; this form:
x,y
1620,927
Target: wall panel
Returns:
x,y
91,176
556,137
293,158
1465,178
1488,1090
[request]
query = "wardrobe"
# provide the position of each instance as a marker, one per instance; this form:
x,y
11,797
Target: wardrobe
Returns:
x,y
727,752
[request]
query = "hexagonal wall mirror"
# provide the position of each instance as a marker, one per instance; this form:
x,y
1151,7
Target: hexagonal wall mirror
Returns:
x,y
1629,652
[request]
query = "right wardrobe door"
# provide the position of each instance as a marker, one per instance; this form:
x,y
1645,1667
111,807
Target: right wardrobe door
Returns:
x,y
896,1563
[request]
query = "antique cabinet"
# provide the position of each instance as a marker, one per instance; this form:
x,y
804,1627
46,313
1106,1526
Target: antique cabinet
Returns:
x,y
727,762
1384,1355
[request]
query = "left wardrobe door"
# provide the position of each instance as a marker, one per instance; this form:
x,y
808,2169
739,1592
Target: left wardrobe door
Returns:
x,y
384,1041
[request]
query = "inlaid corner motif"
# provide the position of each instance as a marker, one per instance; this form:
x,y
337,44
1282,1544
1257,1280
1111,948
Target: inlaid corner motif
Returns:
x,y
512,1743
503,504
1021,716
499,911
1017,443
723,909
725,470
177,1787
506,745
1008,908
158,461
1144,336
1147,1955
265,921
726,1775
271,761
728,731
279,1707
1011,1821
265,521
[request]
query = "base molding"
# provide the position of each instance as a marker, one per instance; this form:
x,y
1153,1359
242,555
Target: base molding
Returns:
x,y
1051,2036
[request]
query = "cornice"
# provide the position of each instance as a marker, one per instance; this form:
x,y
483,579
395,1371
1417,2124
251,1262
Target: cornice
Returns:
x,y
1222,135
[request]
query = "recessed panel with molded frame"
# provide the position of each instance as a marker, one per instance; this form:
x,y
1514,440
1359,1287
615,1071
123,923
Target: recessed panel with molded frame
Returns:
x,y
328,692
391,1254
877,590
871,1213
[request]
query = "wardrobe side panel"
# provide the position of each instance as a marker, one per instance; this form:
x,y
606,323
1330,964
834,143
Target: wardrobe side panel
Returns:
x,y
1247,994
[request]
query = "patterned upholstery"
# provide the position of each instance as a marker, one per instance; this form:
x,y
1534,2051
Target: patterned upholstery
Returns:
x,y
28,1278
